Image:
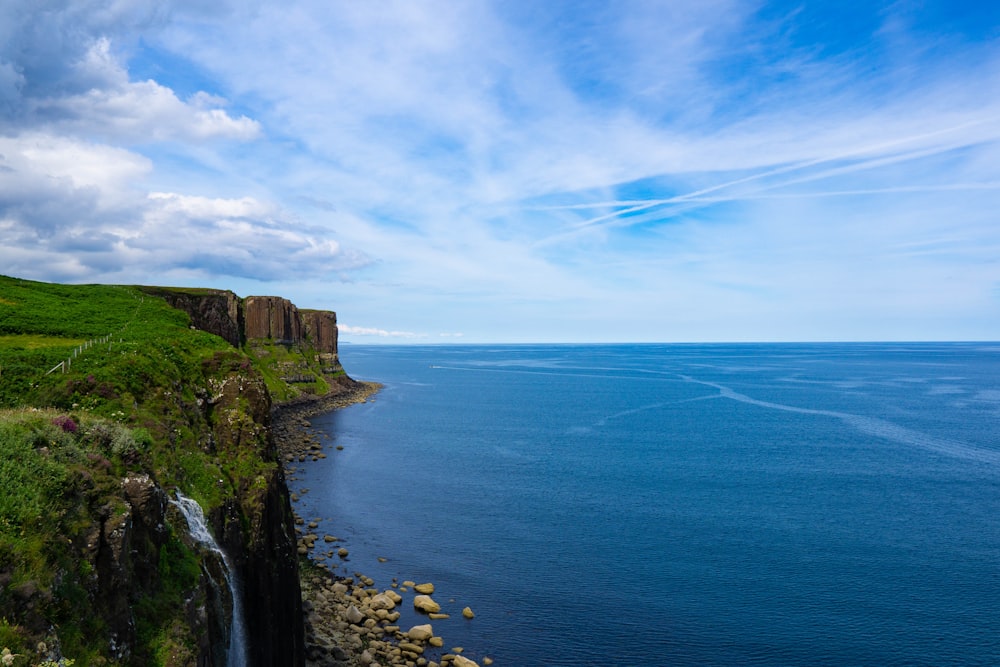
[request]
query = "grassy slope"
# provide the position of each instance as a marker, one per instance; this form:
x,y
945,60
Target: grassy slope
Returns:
x,y
133,403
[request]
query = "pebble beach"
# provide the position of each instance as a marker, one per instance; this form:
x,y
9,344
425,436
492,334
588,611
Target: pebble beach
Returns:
x,y
348,621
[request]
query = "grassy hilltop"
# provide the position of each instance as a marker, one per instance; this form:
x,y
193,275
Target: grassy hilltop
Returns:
x,y
98,383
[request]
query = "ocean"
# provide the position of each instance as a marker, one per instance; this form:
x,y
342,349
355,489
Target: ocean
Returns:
x,y
768,504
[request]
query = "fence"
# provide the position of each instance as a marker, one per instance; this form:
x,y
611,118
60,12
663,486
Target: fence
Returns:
x,y
65,365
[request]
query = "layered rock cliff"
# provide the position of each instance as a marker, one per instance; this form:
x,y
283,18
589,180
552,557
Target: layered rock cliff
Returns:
x,y
273,317
237,320
321,330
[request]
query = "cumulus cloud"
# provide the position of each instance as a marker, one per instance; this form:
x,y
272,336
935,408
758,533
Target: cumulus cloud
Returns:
x,y
68,211
121,110
239,237
77,189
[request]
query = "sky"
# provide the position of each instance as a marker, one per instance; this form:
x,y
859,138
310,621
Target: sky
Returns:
x,y
468,171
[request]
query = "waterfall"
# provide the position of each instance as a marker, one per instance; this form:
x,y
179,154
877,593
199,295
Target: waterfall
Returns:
x,y
236,655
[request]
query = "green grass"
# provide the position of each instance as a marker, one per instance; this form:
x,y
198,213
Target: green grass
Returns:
x,y
52,470
15,342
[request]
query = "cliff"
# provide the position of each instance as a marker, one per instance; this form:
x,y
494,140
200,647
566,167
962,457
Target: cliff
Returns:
x,y
216,311
96,563
275,318
321,330
237,321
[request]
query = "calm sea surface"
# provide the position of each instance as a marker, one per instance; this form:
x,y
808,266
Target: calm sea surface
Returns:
x,y
679,504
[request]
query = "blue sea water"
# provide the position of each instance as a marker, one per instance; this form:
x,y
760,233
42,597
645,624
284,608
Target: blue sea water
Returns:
x,y
783,504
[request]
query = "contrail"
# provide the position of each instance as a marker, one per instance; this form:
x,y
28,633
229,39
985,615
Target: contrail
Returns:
x,y
698,196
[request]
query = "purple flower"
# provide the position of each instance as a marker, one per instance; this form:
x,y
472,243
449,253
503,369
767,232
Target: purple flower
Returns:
x,y
65,423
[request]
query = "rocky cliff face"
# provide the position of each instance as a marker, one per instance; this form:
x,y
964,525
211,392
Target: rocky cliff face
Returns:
x,y
257,528
273,317
216,311
321,330
133,546
257,317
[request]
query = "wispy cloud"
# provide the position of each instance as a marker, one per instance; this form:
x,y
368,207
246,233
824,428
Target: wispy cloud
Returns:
x,y
373,331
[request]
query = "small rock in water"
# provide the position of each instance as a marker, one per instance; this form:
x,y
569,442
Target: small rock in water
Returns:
x,y
425,589
468,613
425,604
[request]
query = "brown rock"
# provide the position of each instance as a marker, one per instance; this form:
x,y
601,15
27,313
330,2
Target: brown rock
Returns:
x,y
382,601
354,615
425,604
412,648
272,317
321,330
420,633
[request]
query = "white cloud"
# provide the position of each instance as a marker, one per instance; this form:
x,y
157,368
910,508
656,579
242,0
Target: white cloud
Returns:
x,y
372,331
69,210
209,208
136,112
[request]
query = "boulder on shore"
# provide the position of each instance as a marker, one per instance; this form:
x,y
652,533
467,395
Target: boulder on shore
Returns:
x,y
420,633
354,615
382,601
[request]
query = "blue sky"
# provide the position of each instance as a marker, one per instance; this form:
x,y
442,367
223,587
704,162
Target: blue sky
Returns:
x,y
474,171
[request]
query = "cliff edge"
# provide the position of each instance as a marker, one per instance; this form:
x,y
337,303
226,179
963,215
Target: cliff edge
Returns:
x,y
114,401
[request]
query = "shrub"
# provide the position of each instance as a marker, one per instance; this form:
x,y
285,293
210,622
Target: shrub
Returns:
x,y
65,423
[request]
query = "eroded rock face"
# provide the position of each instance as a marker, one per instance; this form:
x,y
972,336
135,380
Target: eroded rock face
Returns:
x,y
215,311
257,527
224,314
272,317
321,330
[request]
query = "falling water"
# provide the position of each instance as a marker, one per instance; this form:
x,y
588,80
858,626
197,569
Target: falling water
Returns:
x,y
237,654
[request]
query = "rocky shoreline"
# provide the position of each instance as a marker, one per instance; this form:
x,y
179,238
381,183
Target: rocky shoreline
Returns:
x,y
348,622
